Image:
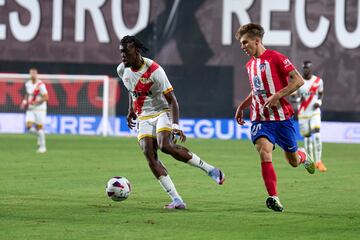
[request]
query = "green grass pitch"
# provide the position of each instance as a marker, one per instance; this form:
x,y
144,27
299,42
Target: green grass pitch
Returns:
x,y
61,194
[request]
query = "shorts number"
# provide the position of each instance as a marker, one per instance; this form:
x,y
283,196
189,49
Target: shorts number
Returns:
x,y
255,129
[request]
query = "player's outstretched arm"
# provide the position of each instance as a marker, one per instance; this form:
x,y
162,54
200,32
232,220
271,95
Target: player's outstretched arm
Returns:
x,y
174,109
239,115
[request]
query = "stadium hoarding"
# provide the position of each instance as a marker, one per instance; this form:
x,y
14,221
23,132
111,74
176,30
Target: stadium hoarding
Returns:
x,y
69,94
189,39
12,123
224,129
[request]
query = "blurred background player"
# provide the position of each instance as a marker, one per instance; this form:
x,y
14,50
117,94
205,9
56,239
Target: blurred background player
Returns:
x,y
152,101
272,78
309,98
34,102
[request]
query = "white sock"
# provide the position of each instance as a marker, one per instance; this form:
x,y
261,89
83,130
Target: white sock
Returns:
x,y
308,144
169,187
317,146
197,162
41,138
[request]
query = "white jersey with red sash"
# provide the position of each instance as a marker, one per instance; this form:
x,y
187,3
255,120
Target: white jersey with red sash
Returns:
x,y
147,87
269,74
34,92
309,93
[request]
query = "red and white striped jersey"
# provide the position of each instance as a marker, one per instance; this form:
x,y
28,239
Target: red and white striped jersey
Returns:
x,y
269,74
147,87
309,93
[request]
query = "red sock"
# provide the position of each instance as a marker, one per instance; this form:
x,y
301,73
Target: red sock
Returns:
x,y
302,156
269,176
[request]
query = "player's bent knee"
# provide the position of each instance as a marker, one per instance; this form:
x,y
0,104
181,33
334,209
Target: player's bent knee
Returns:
x,y
315,130
39,127
165,148
29,125
265,156
147,150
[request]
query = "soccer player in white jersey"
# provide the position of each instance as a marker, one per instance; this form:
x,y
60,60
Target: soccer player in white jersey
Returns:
x,y
153,103
272,77
309,114
34,102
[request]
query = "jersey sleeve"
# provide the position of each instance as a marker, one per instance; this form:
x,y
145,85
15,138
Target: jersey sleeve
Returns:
x,y
120,70
321,86
284,64
161,79
43,89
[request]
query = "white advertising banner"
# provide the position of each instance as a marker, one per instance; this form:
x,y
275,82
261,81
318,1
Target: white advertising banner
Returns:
x,y
341,132
12,123
337,132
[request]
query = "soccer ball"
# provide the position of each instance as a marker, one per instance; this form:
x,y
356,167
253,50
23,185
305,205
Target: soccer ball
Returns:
x,y
118,188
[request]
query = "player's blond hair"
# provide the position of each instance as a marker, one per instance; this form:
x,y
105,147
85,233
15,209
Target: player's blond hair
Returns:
x,y
252,29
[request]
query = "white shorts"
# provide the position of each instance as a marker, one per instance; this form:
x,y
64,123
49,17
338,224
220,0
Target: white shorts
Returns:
x,y
149,127
309,123
36,116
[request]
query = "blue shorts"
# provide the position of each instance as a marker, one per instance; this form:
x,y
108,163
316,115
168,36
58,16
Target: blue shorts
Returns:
x,y
282,133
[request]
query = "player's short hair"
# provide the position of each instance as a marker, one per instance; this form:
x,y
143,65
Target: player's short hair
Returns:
x,y
307,63
252,29
132,39
33,68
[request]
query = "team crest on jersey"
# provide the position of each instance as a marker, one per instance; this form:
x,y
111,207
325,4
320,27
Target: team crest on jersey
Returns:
x,y
144,80
262,67
257,83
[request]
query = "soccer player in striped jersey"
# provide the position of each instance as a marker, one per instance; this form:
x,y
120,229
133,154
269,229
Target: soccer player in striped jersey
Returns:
x,y
153,104
309,114
272,77
35,104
